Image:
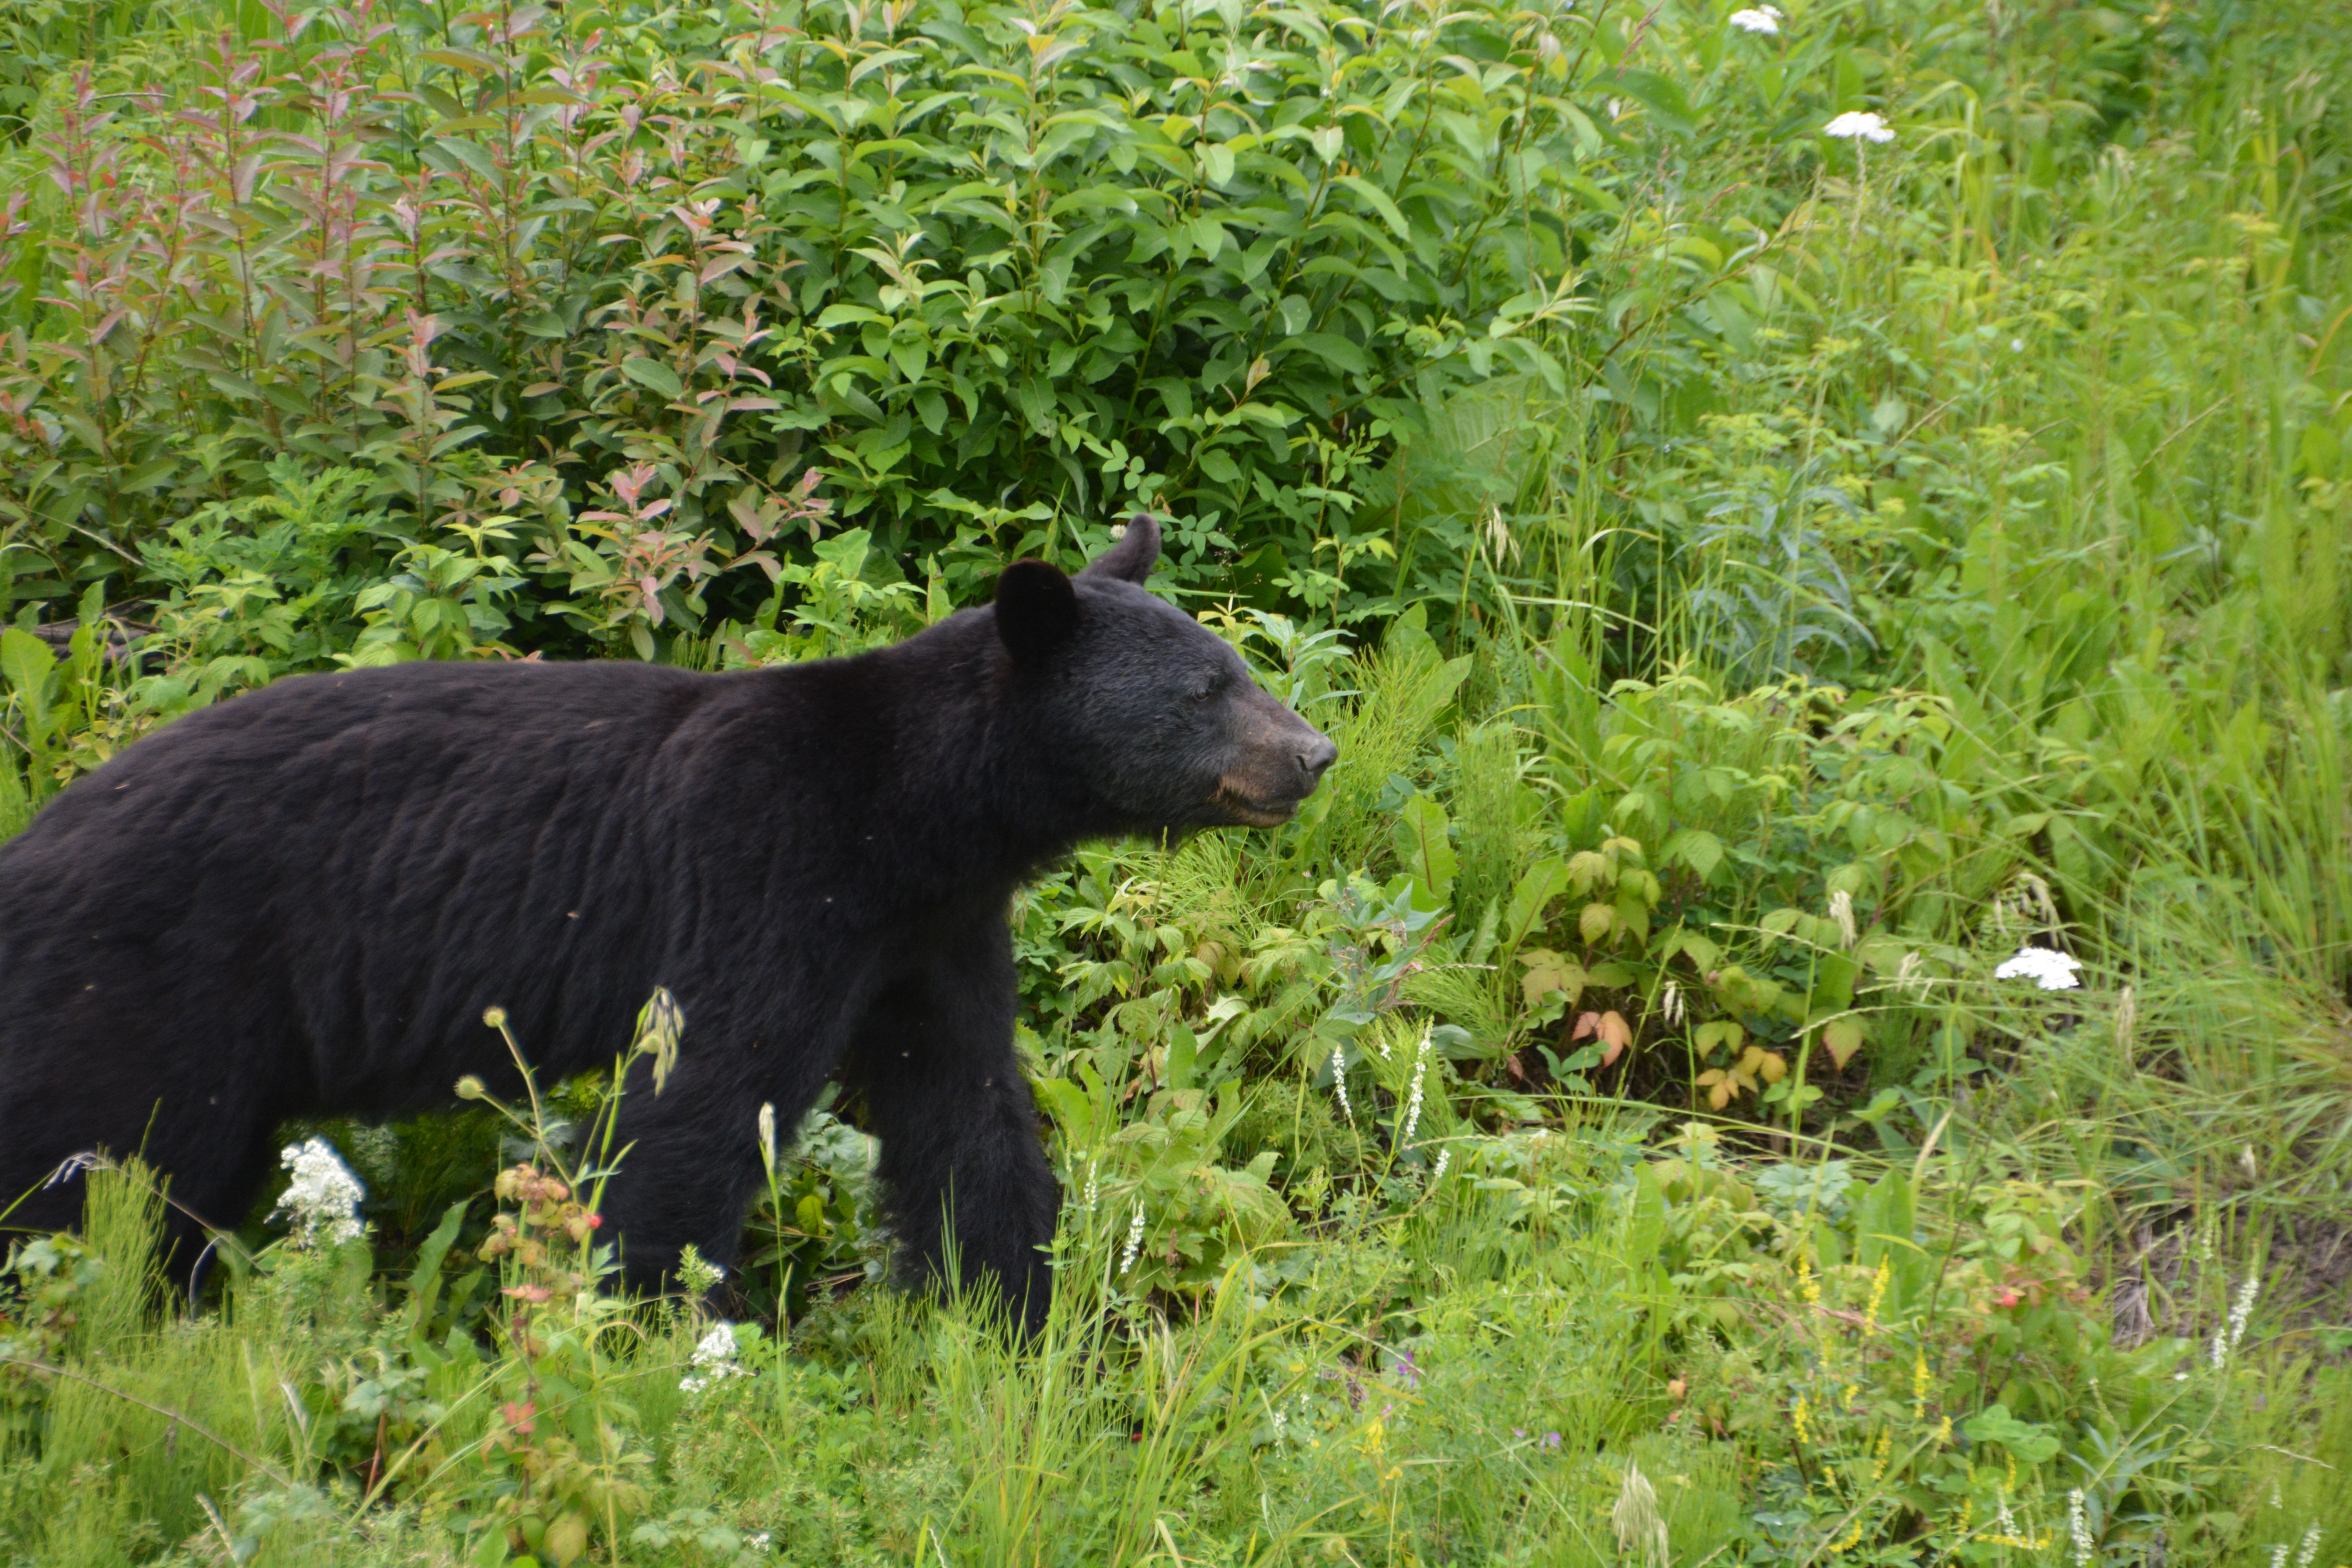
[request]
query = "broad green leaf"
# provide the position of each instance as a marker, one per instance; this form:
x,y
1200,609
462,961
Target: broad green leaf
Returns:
x,y
26,661
1535,890
1423,846
2030,1442
653,375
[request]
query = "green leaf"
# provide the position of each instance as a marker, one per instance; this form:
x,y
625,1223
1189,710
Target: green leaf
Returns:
x,y
1334,350
653,375
1670,111
1695,848
2031,1444
1645,1216
1542,883
1422,845
1378,200
425,1280
1070,1106
28,663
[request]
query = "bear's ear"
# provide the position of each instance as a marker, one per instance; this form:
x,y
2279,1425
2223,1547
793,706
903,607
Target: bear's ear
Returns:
x,y
1131,558
1036,609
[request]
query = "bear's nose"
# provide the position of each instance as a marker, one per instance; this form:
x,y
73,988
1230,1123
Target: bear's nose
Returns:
x,y
1318,755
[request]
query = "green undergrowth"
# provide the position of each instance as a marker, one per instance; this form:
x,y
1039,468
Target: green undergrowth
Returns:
x,y
1577,1344
1758,582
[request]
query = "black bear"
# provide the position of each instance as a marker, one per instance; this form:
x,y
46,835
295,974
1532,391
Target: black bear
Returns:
x,y
302,900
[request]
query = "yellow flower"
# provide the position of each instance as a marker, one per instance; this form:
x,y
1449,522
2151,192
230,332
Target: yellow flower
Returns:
x,y
1878,1282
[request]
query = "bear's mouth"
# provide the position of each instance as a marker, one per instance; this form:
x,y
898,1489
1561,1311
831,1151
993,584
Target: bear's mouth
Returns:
x,y
1247,810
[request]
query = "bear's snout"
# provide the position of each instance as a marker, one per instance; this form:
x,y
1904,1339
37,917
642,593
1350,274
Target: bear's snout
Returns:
x,y
1319,752
1280,759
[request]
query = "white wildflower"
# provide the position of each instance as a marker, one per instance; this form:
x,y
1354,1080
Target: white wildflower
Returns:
x,y
1094,1187
1444,1157
1134,1241
767,1125
1340,1087
2226,1339
323,1200
1859,125
2278,1555
1842,911
2310,1553
1763,19
1671,1003
714,1360
2078,1526
1412,1104
2017,345
2050,969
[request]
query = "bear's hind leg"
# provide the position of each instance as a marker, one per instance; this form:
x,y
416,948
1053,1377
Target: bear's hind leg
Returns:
x,y
962,1163
212,1153
692,1165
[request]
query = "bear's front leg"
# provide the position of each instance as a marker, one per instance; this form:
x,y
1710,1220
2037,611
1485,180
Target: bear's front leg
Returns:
x,y
962,1165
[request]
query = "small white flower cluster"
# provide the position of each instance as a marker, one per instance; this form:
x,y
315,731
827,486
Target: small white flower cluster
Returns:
x,y
714,1360
2050,969
1763,19
1339,1083
1444,1157
1094,1187
1134,1241
1841,914
1859,125
2078,1526
322,1202
2225,1340
1412,1103
2310,1551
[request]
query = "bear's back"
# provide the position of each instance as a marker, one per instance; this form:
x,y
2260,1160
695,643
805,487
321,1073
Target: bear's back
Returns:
x,y
354,852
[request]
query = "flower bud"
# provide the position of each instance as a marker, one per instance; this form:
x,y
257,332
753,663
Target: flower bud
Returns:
x,y
470,1088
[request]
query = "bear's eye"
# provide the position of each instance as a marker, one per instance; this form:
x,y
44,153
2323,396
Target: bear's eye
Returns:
x,y
1204,691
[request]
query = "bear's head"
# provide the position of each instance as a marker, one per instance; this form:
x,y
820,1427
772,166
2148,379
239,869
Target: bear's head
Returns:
x,y
1150,710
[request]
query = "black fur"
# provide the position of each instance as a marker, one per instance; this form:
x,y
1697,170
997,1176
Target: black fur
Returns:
x,y
301,902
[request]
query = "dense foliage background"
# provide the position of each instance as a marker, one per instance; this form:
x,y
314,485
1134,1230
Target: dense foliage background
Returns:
x,y
1759,580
